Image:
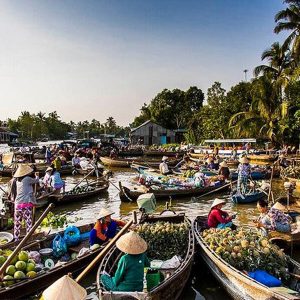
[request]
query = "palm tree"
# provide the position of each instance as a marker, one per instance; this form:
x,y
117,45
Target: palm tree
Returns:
x,y
279,63
289,19
265,114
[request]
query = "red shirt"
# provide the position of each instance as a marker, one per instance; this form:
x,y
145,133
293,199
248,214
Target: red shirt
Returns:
x,y
216,217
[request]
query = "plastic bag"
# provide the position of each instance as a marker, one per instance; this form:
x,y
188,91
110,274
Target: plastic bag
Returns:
x,y
72,236
59,246
265,278
35,256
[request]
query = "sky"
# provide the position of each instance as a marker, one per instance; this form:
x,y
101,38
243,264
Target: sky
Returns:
x,y
100,58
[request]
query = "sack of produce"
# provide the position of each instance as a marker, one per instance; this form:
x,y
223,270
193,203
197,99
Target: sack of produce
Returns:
x,y
59,246
147,202
265,278
72,236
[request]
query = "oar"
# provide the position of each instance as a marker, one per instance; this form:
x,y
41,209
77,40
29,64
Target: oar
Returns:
x,y
27,236
103,252
270,190
3,190
213,191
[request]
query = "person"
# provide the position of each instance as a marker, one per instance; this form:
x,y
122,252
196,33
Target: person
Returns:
x,y
163,166
244,170
47,177
210,163
234,153
48,155
217,218
76,161
105,227
57,163
25,199
55,181
273,218
129,275
224,170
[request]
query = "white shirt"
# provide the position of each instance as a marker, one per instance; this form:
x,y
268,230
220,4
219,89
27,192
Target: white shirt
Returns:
x,y
163,168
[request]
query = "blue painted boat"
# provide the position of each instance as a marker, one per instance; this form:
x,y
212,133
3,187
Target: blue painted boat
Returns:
x,y
255,175
248,198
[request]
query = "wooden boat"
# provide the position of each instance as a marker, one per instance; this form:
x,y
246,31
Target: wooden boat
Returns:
x,y
248,198
231,163
132,152
41,168
262,157
96,188
255,175
236,283
127,195
175,279
126,163
162,153
45,278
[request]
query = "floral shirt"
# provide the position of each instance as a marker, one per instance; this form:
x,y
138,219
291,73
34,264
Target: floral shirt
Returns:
x,y
244,169
274,216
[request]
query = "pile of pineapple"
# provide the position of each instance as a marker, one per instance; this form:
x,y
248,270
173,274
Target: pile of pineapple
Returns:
x,y
164,239
247,250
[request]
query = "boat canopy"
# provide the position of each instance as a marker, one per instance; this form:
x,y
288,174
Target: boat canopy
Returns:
x,y
230,141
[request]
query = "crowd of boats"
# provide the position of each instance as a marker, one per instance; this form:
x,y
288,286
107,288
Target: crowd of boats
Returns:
x,y
190,173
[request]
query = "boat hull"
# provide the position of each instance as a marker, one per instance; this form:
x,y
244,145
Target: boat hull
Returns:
x,y
253,197
169,289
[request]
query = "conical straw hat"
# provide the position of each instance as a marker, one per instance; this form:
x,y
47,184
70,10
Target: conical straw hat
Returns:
x,y
244,160
23,170
164,158
223,164
218,201
209,160
104,213
279,206
65,288
131,243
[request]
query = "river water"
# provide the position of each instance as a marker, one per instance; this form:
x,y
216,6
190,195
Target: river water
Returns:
x,y
201,285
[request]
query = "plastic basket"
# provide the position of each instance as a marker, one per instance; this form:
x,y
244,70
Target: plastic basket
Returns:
x,y
154,279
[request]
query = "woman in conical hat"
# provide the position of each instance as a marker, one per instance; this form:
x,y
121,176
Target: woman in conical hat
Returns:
x,y
274,218
244,170
64,288
105,227
25,198
130,272
218,218
224,170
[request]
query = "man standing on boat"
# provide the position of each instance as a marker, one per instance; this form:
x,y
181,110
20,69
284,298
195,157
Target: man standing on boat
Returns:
x,y
244,171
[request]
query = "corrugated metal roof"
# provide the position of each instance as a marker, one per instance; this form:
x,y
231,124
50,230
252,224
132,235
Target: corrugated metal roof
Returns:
x,y
231,141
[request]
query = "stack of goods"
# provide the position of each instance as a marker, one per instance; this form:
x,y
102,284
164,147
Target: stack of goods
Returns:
x,y
292,172
54,221
164,239
247,250
20,267
80,190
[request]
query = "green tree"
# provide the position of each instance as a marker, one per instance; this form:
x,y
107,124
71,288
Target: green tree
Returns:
x,y
289,19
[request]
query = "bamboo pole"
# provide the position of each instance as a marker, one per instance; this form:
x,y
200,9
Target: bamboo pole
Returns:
x,y
27,236
270,190
83,179
103,252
